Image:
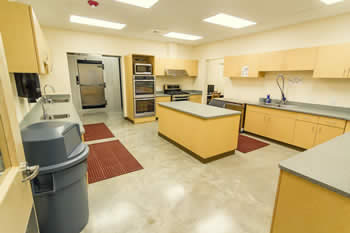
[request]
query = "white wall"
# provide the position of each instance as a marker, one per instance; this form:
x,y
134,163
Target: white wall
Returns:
x,y
63,41
322,32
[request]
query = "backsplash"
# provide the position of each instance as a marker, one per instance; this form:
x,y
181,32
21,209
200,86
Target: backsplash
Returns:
x,y
299,86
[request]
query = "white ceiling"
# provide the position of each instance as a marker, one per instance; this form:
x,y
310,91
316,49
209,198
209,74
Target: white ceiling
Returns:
x,y
184,16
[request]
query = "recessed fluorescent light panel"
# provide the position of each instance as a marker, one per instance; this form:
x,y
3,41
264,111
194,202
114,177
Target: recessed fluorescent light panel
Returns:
x,y
139,3
182,36
96,22
330,2
229,21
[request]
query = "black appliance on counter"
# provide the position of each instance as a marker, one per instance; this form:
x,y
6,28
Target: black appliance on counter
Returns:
x,y
28,86
211,89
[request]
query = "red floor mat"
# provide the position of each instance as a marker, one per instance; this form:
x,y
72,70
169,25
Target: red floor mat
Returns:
x,y
110,159
247,144
97,131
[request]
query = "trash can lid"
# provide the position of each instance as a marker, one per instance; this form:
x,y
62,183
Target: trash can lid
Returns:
x,y
51,143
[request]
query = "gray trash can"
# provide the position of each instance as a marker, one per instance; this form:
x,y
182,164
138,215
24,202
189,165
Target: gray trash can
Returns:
x,y
60,190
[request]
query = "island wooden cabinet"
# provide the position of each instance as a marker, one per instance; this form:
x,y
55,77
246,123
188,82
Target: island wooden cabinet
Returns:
x,y
305,207
160,99
298,129
196,98
25,45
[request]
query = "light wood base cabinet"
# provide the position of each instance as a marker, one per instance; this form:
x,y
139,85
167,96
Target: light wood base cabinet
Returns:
x,y
326,133
347,129
196,99
305,134
298,129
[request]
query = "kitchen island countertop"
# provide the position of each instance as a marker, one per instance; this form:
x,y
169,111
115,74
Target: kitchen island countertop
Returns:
x,y
199,110
326,165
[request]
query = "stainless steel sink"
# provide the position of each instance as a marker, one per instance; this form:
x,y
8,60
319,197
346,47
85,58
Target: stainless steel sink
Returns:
x,y
281,105
59,98
57,117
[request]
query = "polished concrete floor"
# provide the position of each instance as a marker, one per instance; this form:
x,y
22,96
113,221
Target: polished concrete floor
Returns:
x,y
175,193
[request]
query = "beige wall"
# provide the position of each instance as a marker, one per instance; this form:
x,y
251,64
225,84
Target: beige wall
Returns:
x,y
322,32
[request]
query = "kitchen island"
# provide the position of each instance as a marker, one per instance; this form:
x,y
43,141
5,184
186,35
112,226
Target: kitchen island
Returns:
x,y
205,132
314,190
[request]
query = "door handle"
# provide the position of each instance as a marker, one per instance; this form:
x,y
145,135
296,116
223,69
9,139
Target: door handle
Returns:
x,y
29,172
77,79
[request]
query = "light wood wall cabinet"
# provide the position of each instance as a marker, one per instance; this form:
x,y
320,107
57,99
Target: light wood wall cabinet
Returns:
x,y
333,61
234,65
302,130
25,46
196,99
162,64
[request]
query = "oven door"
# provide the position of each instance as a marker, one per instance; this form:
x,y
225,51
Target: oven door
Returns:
x,y
144,88
144,107
143,69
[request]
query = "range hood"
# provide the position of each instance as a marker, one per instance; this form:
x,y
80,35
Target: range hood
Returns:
x,y
176,73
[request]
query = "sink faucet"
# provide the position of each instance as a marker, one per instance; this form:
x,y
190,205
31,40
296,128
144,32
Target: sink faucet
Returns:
x,y
281,87
46,100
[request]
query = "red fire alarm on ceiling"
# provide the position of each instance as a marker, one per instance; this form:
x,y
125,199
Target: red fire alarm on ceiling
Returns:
x,y
93,3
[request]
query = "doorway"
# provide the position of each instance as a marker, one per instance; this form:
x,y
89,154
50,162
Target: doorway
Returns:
x,y
95,82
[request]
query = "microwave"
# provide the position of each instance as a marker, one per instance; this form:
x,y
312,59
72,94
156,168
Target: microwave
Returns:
x,y
143,68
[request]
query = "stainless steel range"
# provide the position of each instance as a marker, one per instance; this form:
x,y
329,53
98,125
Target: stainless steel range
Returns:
x,y
176,93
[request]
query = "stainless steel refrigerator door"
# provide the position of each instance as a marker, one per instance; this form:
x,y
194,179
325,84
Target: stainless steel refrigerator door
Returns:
x,y
92,85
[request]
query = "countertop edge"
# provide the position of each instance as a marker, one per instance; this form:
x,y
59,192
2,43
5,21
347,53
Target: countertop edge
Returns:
x,y
314,181
199,116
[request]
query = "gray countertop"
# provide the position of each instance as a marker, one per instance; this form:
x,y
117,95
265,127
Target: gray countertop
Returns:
x,y
191,92
315,109
199,110
56,108
326,165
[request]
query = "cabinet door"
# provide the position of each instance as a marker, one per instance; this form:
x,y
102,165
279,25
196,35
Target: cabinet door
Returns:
x,y
280,128
333,61
272,61
161,99
17,33
305,134
326,133
231,66
159,68
347,129
196,98
191,66
255,122
252,62
300,59
42,49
